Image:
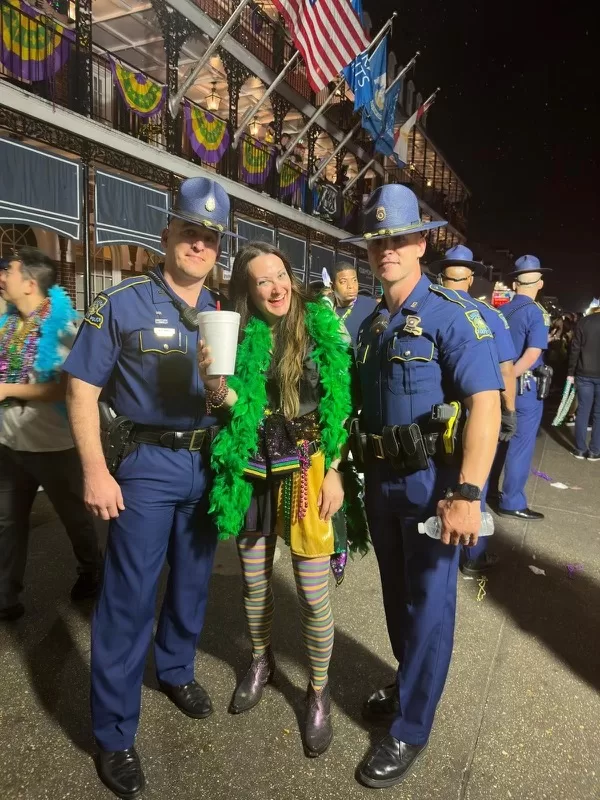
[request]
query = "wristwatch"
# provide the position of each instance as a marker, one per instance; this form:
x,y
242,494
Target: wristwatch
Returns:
x,y
468,490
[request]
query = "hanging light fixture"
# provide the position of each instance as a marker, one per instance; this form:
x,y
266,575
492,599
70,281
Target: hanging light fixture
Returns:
x,y
253,129
429,182
213,101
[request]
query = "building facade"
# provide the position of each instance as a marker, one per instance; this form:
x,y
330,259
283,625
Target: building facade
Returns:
x,y
91,136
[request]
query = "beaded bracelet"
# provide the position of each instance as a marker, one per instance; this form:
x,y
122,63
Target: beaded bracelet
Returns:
x,y
216,398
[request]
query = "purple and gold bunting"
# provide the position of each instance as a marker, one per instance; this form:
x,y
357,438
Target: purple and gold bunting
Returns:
x,y
140,93
208,135
257,161
32,46
290,179
349,210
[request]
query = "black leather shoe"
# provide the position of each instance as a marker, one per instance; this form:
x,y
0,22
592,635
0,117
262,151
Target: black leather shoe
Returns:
x,y
523,513
383,705
11,613
388,763
318,731
190,698
121,771
481,565
85,587
249,690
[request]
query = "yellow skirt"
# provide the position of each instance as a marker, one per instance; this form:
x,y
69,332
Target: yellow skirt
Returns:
x,y
310,537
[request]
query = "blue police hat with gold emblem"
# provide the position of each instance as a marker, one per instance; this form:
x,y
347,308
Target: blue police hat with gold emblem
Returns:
x,y
528,264
458,256
393,210
203,202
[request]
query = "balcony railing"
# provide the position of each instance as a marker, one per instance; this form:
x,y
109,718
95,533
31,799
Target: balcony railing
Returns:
x,y
449,208
252,163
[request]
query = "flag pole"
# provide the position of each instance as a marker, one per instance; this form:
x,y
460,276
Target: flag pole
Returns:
x,y
253,110
175,101
284,156
352,131
357,177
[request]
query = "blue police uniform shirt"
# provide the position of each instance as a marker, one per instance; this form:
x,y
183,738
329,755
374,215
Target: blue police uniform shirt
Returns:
x,y
529,324
353,316
449,355
496,322
133,343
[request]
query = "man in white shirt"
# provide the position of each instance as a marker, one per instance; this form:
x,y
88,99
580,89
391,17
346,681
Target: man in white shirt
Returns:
x,y
36,448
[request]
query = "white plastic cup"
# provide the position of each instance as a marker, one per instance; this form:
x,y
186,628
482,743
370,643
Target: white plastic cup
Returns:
x,y
219,331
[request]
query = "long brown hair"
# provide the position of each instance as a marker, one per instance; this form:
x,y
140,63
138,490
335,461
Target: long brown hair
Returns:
x,y
290,339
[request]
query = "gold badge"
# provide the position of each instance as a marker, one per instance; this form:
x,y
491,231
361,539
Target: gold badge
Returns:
x,y
210,204
412,325
380,214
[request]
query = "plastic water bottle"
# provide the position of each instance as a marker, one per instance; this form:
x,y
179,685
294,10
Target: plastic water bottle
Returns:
x,y
433,526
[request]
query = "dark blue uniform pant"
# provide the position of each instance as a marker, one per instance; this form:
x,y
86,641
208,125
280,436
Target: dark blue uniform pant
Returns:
x,y
418,579
517,454
166,514
588,396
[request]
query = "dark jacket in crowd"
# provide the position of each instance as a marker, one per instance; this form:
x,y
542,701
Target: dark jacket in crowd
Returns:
x,y
584,354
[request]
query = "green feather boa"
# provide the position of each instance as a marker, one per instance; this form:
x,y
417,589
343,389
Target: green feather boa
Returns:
x,y
231,493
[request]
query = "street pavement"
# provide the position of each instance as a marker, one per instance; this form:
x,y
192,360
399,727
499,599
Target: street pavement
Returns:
x,y
519,717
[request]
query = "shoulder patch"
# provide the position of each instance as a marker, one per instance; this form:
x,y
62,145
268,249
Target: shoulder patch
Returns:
x,y
93,315
479,326
546,315
128,283
449,294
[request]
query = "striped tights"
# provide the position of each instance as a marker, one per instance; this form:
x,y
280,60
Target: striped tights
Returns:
x,y
312,586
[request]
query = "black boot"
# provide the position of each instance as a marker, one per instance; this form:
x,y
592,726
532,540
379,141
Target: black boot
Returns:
x,y
249,690
318,731
383,705
121,771
388,763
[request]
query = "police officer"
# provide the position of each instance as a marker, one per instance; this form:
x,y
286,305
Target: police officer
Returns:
x,y
424,346
350,306
457,271
137,346
529,325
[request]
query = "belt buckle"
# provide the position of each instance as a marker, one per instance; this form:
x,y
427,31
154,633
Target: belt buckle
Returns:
x,y
378,446
193,446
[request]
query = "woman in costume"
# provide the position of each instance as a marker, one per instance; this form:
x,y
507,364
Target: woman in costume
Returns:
x,y
277,464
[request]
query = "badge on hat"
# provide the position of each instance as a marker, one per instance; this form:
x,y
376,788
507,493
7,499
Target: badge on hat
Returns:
x,y
210,204
412,325
380,214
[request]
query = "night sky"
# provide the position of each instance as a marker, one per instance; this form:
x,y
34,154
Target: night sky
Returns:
x,y
517,119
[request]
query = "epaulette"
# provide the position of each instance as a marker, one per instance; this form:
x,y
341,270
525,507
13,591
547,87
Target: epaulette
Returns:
x,y
449,294
126,284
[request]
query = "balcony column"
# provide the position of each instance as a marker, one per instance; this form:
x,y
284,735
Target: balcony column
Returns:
x,y
237,75
280,107
175,29
83,57
312,136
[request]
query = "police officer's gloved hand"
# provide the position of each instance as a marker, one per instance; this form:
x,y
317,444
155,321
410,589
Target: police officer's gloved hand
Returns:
x,y
508,426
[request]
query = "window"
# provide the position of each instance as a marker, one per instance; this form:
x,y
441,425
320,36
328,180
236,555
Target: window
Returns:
x,y
102,83
101,277
295,250
14,236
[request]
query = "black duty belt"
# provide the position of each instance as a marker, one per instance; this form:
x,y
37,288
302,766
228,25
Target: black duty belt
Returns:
x,y
175,440
379,450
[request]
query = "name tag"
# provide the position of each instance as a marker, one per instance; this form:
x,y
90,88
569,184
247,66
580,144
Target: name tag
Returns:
x,y
161,321
164,333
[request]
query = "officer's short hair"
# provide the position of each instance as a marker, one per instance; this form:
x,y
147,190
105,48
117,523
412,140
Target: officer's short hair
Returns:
x,y
36,266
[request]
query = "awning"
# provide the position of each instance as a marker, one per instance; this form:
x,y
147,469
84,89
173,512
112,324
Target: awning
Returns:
x,y
40,188
123,213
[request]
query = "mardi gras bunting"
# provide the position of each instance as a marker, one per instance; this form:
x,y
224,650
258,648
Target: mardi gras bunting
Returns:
x,y
257,161
349,209
290,179
32,46
208,135
140,93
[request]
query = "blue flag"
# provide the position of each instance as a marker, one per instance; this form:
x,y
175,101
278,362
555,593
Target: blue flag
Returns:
x,y
358,72
372,115
385,141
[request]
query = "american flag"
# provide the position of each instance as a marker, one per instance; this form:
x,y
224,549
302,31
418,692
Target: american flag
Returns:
x,y
327,33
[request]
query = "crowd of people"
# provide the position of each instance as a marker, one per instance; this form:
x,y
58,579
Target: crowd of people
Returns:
x,y
427,393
